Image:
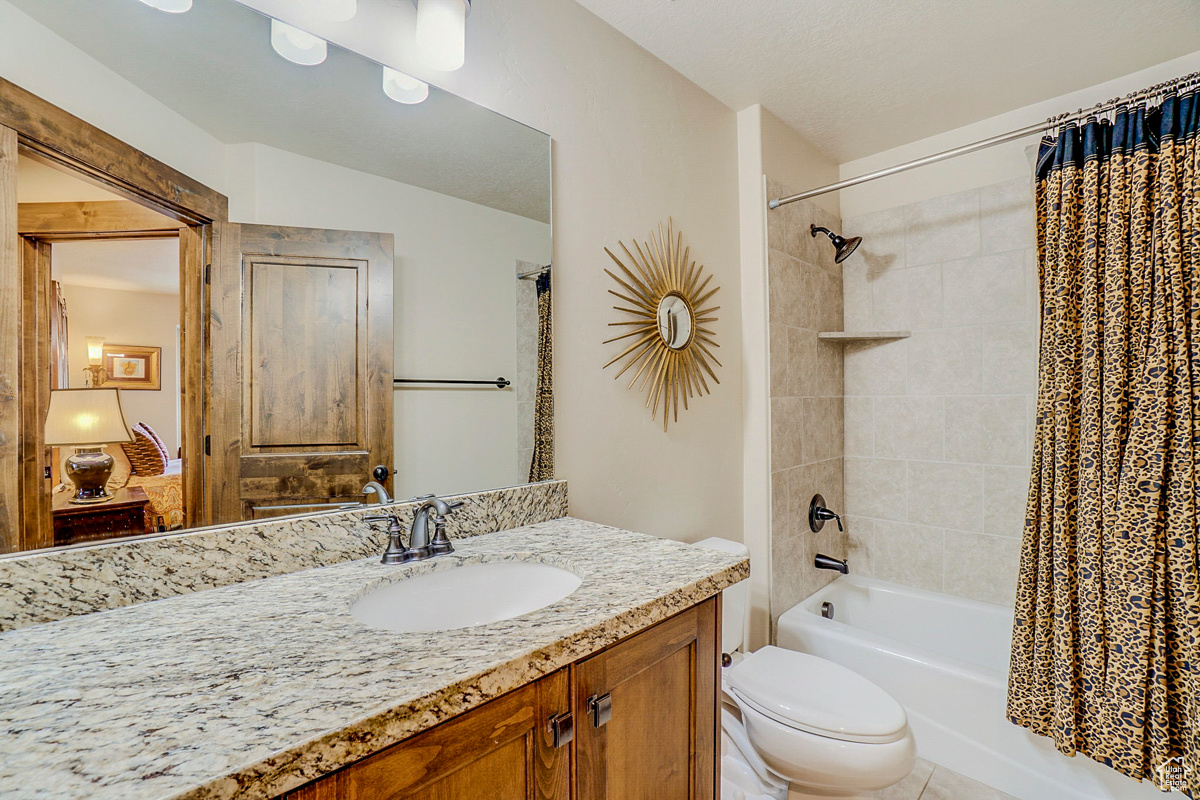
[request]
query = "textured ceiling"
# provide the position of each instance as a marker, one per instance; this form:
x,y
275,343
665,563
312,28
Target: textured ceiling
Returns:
x,y
856,77
214,65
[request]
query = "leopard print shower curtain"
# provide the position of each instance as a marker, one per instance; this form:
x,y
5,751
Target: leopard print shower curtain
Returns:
x,y
1105,658
541,467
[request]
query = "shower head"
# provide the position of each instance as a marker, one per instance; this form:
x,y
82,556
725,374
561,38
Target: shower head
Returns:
x,y
842,247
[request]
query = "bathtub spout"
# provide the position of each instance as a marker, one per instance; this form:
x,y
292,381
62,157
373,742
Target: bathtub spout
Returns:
x,y
827,562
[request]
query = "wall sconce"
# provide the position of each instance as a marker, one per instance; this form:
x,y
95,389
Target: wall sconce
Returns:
x,y
96,374
297,46
442,32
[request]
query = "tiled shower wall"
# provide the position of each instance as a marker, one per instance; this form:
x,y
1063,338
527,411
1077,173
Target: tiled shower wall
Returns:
x,y
804,297
939,426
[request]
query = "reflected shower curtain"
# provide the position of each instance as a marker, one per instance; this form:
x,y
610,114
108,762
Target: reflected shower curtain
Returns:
x,y
541,467
1104,652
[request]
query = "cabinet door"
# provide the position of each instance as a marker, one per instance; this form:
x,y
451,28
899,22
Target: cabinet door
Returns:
x,y
503,750
646,713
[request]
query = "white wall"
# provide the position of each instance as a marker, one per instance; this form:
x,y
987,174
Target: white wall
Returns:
x,y
137,318
634,143
455,295
986,167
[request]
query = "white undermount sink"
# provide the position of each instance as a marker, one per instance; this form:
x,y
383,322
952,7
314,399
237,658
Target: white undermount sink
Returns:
x,y
462,596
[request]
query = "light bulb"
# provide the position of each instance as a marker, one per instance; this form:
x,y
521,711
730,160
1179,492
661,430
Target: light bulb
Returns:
x,y
295,45
404,88
334,10
171,6
442,33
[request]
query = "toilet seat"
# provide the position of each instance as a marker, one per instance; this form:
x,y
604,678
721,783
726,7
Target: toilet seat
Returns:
x,y
811,694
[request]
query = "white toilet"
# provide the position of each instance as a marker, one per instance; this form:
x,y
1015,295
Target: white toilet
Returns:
x,y
793,717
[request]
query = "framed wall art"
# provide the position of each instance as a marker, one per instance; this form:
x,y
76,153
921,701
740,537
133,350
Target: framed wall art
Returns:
x,y
132,367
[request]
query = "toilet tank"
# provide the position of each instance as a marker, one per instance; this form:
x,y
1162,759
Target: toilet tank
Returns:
x,y
733,599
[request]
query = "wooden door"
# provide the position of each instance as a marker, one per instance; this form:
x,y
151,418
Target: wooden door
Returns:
x,y
646,713
503,750
300,387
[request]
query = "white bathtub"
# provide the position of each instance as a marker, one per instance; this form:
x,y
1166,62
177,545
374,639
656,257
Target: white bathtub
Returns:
x,y
946,660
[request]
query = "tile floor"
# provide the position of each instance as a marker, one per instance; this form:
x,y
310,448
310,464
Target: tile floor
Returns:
x,y
928,781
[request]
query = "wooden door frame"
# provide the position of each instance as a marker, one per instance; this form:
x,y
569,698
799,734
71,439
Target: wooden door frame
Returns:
x,y
32,126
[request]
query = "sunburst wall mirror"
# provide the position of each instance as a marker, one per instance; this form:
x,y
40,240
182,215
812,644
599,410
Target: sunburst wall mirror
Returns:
x,y
665,292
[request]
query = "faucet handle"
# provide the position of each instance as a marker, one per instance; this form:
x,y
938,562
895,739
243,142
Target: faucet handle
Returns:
x,y
453,504
379,518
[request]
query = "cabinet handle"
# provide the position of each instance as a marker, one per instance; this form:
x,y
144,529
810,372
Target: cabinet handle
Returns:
x,y
600,707
562,727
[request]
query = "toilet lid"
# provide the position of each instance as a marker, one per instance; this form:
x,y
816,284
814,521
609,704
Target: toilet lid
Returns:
x,y
816,695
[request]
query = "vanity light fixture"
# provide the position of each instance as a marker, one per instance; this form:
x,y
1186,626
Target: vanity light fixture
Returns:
x,y
297,46
334,10
404,88
170,6
442,33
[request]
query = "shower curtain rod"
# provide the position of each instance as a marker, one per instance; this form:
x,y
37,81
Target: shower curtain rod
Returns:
x,y
1173,85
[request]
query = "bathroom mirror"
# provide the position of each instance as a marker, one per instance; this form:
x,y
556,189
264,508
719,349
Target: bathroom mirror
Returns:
x,y
461,193
675,321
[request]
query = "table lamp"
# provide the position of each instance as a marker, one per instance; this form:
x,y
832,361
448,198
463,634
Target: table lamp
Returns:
x,y
85,419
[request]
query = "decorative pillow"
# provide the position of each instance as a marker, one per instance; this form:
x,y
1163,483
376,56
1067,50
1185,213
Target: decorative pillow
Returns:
x,y
144,455
158,442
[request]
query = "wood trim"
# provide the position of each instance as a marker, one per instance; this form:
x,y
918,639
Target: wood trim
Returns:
x,y
224,408
193,303
34,392
10,337
92,220
708,682
59,136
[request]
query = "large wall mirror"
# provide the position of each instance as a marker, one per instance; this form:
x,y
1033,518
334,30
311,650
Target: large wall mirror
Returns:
x,y
372,298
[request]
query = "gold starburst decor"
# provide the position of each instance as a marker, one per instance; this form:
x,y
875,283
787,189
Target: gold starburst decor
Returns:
x,y
663,289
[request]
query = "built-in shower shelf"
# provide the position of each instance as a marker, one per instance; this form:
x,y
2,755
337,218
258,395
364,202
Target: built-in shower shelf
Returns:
x,y
863,336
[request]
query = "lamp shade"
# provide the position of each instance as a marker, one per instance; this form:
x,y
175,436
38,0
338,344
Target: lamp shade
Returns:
x,y
297,46
95,349
171,6
442,33
85,417
404,88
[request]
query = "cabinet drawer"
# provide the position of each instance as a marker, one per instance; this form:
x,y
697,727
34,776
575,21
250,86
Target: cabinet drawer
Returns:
x,y
503,750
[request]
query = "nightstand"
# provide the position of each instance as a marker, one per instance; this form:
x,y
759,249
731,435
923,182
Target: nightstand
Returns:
x,y
124,515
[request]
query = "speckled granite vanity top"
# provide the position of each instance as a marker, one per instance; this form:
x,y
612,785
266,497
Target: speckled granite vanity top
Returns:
x,y
250,690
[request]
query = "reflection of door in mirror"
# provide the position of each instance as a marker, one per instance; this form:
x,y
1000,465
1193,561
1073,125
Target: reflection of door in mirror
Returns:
x,y
307,413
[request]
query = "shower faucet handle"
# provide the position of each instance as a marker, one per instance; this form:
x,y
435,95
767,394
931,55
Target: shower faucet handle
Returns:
x,y
818,515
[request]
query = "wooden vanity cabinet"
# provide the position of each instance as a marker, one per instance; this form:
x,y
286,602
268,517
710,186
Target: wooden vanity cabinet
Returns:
x,y
644,720
646,713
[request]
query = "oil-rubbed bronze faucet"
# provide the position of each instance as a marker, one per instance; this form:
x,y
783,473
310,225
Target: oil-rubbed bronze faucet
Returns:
x,y
420,544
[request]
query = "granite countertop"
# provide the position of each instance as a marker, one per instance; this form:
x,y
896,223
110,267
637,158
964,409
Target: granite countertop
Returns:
x,y
251,690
